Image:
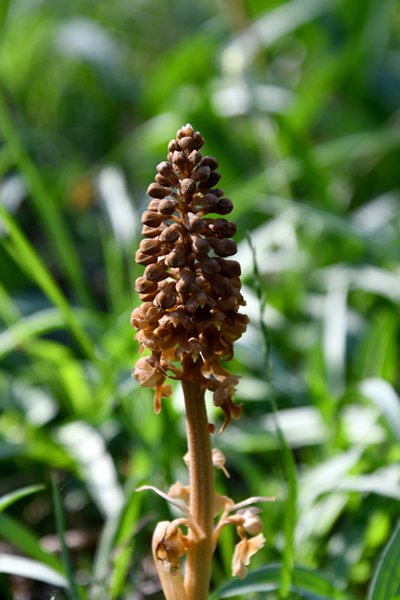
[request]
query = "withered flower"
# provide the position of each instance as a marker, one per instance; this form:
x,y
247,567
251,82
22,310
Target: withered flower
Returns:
x,y
190,289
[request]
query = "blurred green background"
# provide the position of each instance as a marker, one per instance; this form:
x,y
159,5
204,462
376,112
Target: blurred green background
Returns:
x,y
299,102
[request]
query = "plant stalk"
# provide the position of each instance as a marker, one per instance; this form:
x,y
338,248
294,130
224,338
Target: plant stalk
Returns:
x,y
201,471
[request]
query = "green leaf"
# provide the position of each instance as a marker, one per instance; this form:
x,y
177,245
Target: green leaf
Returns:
x,y
386,580
308,584
8,499
32,569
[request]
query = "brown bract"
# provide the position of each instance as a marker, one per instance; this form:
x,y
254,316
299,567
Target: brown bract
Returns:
x,y
190,289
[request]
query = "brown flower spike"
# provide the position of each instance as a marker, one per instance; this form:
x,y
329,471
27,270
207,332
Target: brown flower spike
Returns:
x,y
190,289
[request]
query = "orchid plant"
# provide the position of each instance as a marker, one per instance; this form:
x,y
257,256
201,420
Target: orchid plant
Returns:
x,y
186,326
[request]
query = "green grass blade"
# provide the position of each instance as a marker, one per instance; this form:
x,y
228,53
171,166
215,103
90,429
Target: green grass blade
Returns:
x,y
22,538
385,584
44,205
29,327
24,254
59,516
8,499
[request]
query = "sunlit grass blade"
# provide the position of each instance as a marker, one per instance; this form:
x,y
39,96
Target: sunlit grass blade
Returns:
x,y
29,327
60,524
7,499
44,205
386,580
31,569
24,254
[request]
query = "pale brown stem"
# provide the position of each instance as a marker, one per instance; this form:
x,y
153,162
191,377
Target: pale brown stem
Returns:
x,y
201,471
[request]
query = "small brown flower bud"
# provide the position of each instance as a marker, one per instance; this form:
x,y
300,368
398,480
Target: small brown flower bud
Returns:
x,y
209,266
147,296
170,234
220,286
209,201
144,286
209,161
225,247
187,186
165,300
167,207
199,245
150,246
150,232
156,272
193,223
151,218
229,268
222,227
212,179
194,158
198,140
186,130
224,206
177,257
185,283
186,143
157,191
154,204
166,170
201,174
172,146
164,181
144,259
178,159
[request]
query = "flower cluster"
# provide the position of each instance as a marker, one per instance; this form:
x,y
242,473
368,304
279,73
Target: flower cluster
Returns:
x,y
190,289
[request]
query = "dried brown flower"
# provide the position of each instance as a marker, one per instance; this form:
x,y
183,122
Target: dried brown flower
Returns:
x,y
190,291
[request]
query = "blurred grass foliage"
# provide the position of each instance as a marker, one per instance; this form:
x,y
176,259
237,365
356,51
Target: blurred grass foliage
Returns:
x,y
299,101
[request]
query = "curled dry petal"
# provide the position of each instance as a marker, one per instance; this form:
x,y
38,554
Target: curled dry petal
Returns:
x,y
169,544
251,523
244,550
182,492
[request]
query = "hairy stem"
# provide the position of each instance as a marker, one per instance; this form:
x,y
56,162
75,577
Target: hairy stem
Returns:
x,y
199,555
